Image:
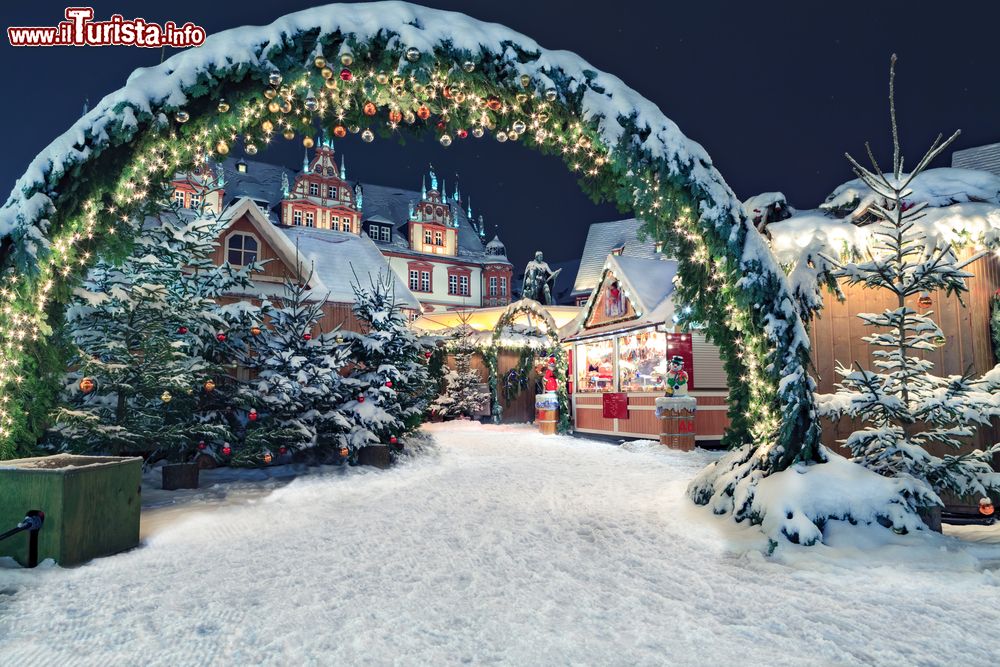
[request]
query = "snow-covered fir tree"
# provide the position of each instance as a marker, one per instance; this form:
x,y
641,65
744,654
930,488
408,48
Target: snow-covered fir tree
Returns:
x,y
139,329
300,386
465,395
905,408
391,378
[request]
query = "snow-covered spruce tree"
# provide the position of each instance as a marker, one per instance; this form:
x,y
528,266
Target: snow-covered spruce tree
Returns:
x,y
464,395
138,330
299,385
391,379
904,407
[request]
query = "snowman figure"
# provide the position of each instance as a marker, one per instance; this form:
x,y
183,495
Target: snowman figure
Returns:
x,y
677,377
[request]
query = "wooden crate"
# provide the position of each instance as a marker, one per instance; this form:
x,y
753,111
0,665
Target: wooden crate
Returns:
x,y
91,505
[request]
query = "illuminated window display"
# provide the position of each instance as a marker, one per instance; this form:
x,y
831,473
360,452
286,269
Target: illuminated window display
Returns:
x,y
595,366
642,361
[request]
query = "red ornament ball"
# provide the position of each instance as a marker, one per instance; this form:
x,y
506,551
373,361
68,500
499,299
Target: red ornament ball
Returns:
x,y
388,383
427,354
202,445
345,75
253,415
393,440
493,102
182,330
424,113
369,108
396,115
221,337
361,399
442,125
462,134
226,449
282,450
340,131
307,336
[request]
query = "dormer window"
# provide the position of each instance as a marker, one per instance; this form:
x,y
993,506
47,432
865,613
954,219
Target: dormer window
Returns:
x,y
242,249
386,233
241,167
314,189
617,251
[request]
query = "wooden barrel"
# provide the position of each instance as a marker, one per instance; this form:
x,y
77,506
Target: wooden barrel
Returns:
x,y
677,428
546,413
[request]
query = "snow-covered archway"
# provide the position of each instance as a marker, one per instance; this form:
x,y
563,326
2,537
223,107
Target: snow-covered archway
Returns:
x,y
382,68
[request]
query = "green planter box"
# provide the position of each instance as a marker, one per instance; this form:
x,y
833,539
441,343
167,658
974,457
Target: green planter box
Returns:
x,y
91,505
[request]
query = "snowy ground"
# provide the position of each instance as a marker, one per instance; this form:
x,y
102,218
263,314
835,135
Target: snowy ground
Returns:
x,y
499,546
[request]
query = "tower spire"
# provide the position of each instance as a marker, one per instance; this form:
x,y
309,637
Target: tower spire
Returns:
x,y
434,179
343,167
457,197
305,159
468,211
423,187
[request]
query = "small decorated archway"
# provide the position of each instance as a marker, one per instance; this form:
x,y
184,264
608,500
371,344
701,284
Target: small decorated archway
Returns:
x,y
380,69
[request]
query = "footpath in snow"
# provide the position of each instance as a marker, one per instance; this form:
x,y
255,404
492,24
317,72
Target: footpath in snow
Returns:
x,y
499,546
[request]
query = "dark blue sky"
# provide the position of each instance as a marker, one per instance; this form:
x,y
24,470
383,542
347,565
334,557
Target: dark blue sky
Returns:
x,y
776,91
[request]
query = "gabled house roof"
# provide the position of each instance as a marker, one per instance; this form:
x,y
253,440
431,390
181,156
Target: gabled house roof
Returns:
x,y
602,238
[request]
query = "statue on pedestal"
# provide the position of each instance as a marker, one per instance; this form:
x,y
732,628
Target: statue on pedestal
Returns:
x,y
538,280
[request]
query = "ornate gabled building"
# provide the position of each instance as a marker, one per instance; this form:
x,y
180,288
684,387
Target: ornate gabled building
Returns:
x,y
428,237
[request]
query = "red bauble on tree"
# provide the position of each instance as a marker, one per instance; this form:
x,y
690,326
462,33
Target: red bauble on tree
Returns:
x,y
388,383
202,445
282,450
226,449
221,337
252,416
462,134
427,355
361,399
393,440
345,75
182,330
307,336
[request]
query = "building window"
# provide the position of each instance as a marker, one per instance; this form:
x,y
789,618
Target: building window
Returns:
x,y
241,167
314,189
438,239
493,285
463,284
195,200
331,191
386,233
428,237
414,280
297,217
453,284
425,281
373,231
503,285
310,219
179,198
242,249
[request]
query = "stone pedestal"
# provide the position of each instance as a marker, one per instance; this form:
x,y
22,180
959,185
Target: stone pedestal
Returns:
x,y
676,414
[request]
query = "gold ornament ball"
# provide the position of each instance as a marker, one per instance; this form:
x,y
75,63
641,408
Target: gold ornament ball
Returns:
x,y
286,107
274,78
550,95
468,65
413,54
273,107
346,59
410,118
270,93
223,106
368,136
418,88
513,136
166,397
501,136
398,80
251,149
382,78
183,116
288,134
445,140
331,84
319,62
326,73
267,126
222,148
308,142
209,386
521,98
525,80
460,97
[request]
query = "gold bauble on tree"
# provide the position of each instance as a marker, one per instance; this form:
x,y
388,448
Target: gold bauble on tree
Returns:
x,y
250,149
273,107
326,73
308,142
267,126
319,62
223,106
270,93
286,107
288,134
209,386
346,59
166,397
222,148
331,84
274,78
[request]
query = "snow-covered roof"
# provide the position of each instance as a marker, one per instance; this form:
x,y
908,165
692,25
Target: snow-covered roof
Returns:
x,y
602,238
937,187
983,158
647,283
340,259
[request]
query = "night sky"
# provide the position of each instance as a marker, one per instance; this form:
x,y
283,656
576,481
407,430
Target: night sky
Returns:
x,y
776,92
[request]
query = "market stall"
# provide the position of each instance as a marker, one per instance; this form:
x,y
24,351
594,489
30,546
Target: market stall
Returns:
x,y
625,352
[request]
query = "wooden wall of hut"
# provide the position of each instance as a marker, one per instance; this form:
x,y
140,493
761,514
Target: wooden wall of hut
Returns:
x,y
522,407
837,332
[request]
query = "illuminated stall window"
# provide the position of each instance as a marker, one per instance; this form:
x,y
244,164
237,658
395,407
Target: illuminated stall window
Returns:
x,y
596,366
642,361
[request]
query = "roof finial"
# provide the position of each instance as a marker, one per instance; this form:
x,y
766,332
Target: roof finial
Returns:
x,y
423,187
305,159
434,179
468,211
86,106
343,167
284,184
456,189
444,192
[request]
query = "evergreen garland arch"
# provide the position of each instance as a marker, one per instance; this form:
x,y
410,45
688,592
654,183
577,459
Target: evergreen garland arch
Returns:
x,y
83,195
551,330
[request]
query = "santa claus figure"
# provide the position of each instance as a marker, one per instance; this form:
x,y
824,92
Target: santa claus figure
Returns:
x,y
677,377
